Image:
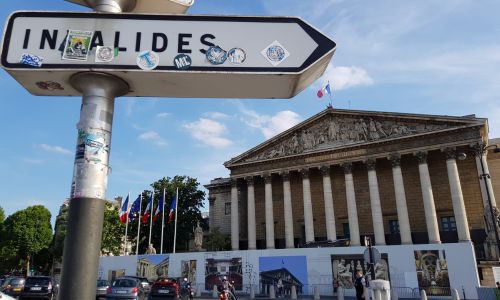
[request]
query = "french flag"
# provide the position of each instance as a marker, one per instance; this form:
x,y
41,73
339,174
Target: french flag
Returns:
x,y
172,209
149,208
324,91
159,209
124,211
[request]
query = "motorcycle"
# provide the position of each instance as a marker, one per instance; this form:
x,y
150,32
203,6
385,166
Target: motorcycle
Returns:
x,y
187,292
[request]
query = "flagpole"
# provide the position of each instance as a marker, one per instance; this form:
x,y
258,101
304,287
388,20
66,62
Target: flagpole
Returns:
x,y
162,222
126,229
175,225
138,224
151,215
330,94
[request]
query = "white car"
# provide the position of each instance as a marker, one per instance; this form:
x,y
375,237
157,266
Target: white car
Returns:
x,y
6,297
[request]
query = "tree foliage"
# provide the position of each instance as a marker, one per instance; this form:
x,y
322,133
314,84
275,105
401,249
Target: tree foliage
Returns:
x,y
29,232
189,203
60,233
112,231
217,241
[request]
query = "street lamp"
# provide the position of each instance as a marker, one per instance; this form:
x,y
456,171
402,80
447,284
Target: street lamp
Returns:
x,y
479,151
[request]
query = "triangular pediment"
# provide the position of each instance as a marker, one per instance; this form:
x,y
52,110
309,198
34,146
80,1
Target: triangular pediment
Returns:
x,y
334,129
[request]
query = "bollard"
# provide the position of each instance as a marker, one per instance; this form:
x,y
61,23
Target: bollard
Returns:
x,y
272,295
340,293
454,294
316,293
423,295
294,292
252,292
215,292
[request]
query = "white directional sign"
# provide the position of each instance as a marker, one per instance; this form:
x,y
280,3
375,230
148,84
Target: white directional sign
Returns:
x,y
166,55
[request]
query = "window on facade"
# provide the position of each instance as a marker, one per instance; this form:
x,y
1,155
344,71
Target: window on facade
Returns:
x,y
345,229
448,224
227,208
394,226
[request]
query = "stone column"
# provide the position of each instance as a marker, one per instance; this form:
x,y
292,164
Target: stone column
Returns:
x,y
329,210
402,208
235,221
428,199
308,212
252,240
352,211
457,197
378,220
287,206
269,211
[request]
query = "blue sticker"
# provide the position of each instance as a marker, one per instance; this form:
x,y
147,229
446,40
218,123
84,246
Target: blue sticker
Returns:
x,y
216,55
182,62
31,60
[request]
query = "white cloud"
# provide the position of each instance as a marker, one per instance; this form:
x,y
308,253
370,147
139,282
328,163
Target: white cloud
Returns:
x,y
270,125
55,149
216,115
342,78
154,137
163,114
209,132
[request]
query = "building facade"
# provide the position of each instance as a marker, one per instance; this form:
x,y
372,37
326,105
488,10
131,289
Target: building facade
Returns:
x,y
346,174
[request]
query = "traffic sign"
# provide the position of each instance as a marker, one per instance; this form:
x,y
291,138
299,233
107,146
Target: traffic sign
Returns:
x,y
166,55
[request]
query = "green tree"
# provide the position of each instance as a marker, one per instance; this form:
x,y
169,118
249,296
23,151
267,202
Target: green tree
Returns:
x,y
112,231
217,241
60,233
29,232
188,214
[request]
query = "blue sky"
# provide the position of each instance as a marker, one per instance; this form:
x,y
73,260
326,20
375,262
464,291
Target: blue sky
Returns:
x,y
429,57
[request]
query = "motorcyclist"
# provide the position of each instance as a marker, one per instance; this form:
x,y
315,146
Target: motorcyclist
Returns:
x,y
187,286
229,287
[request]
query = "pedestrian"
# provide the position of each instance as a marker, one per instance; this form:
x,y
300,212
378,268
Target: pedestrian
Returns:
x,y
359,285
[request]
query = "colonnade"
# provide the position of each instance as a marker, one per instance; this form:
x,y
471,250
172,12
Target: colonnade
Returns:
x,y
352,212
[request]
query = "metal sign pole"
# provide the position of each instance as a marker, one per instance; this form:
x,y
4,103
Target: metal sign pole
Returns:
x,y
86,211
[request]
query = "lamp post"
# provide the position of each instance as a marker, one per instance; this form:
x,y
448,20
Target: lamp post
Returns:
x,y
479,151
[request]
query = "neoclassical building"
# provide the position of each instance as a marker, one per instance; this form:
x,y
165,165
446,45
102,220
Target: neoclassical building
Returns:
x,y
399,178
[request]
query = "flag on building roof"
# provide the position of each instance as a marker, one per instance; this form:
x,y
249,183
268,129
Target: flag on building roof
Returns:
x,y
124,211
149,208
172,209
135,208
159,208
324,91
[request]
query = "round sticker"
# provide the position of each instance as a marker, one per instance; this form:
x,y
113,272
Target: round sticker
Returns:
x,y
236,56
276,53
104,54
182,62
216,55
148,60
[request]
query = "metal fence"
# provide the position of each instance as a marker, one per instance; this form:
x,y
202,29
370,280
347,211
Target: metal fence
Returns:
x,y
327,291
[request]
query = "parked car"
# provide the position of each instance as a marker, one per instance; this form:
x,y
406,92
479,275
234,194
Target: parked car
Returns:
x,y
102,288
13,286
38,287
126,288
144,282
165,288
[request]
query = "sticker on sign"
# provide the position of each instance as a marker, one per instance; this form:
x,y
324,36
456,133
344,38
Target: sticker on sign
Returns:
x,y
229,57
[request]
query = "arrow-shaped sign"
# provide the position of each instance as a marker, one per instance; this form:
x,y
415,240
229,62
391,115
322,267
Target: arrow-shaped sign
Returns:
x,y
166,55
